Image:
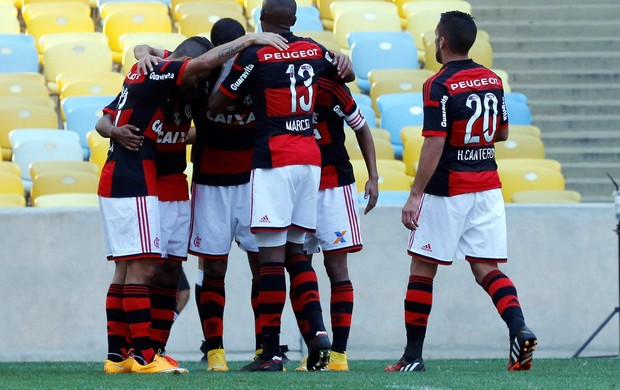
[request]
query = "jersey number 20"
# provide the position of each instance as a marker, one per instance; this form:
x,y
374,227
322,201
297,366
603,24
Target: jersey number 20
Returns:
x,y
484,108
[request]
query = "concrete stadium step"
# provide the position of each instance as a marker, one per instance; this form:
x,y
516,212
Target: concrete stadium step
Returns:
x,y
573,106
554,44
586,138
561,92
546,12
583,154
586,28
567,76
576,60
591,189
591,169
575,122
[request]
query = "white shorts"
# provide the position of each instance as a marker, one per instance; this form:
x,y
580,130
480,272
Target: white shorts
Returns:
x,y
337,222
470,226
220,214
131,227
175,217
284,198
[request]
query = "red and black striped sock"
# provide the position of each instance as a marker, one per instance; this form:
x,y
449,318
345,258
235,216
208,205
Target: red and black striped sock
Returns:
x,y
254,301
213,300
117,326
163,304
302,322
201,315
341,311
504,295
137,306
418,304
306,288
271,299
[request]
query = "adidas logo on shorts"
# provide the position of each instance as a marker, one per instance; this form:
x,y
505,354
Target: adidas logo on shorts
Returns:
x,y
265,219
427,248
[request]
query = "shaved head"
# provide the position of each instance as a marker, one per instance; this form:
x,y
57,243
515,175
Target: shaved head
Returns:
x,y
279,13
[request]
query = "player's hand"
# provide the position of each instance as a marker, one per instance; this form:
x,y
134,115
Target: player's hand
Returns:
x,y
271,39
410,212
343,64
371,193
125,136
147,62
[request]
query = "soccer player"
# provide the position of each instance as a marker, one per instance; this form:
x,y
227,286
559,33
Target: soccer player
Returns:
x,y
285,174
338,230
455,208
129,204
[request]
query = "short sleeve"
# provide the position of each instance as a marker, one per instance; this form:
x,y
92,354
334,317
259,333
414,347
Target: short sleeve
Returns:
x,y
110,109
435,100
239,79
343,99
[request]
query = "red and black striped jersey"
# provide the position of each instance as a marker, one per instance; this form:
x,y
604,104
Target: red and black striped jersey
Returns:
x,y
145,103
464,102
283,88
222,152
335,105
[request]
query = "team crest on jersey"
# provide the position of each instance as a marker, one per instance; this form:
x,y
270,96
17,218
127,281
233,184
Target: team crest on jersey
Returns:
x,y
188,111
247,100
177,118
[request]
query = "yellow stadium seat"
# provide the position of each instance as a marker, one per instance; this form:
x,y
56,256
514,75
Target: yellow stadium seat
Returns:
x,y
529,162
33,9
38,167
365,19
67,200
62,182
25,76
532,130
23,88
481,52
250,5
91,56
12,200
411,153
17,117
322,37
389,180
11,184
49,40
91,88
408,8
384,87
93,138
59,22
409,132
325,11
23,101
8,9
9,24
10,167
168,41
209,7
66,78
99,153
421,25
547,196
382,165
520,146
376,75
383,149
174,3
197,23
26,2
377,133
133,21
515,179
108,8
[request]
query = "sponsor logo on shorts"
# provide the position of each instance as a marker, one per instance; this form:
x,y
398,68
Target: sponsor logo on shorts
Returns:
x,y
340,237
427,248
265,219
156,242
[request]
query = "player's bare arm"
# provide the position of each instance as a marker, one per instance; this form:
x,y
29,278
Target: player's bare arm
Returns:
x,y
367,146
201,66
124,135
147,57
429,159
345,67
502,135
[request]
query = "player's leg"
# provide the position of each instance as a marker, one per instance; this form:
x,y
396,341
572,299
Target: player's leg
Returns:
x,y
253,262
163,302
201,316
484,246
118,331
212,302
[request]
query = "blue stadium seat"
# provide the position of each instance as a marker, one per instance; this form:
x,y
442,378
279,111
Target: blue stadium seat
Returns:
x,y
361,98
369,114
81,120
72,102
518,113
18,54
516,97
395,117
308,19
387,51
355,36
391,99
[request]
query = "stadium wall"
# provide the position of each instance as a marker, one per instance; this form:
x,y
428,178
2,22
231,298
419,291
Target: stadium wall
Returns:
x,y
563,259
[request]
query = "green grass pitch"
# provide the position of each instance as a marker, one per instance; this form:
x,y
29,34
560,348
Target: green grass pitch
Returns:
x,y
585,373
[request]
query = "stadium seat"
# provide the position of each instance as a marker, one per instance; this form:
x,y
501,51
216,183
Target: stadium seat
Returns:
x,y
391,99
17,55
481,52
63,182
17,117
199,23
418,25
11,184
369,114
20,135
132,21
67,200
361,98
518,113
99,152
525,130
10,167
12,200
44,149
75,56
411,153
308,19
23,88
408,8
168,41
515,97
395,117
72,102
82,120
383,149
380,88
93,138
410,132
9,24
66,78
209,7
91,88
8,8
546,196
378,75
33,9
520,146
108,8
529,162
515,179
365,18
385,52
23,76
325,11
377,133
49,40
58,22
388,181
322,37
36,168
28,101
382,165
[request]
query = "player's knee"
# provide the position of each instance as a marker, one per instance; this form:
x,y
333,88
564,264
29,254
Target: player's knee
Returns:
x,y
216,268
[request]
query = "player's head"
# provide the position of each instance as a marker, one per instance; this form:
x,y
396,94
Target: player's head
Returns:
x,y
191,48
456,33
226,30
278,15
